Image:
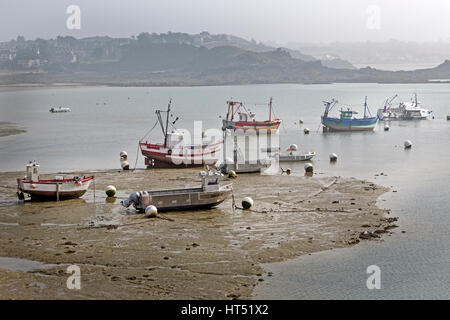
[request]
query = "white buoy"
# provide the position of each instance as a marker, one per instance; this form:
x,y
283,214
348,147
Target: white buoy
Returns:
x,y
111,191
306,131
125,165
408,144
123,156
293,147
151,211
333,157
309,167
247,203
386,127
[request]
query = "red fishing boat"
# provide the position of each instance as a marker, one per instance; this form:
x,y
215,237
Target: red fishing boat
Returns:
x,y
174,152
246,119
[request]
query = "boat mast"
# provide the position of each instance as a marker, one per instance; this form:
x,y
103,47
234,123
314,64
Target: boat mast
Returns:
x,y
365,107
167,123
270,109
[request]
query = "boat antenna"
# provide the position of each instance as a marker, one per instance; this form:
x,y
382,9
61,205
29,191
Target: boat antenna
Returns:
x,y
167,122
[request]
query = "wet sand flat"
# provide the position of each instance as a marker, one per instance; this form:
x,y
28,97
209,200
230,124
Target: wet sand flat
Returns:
x,y
211,254
9,129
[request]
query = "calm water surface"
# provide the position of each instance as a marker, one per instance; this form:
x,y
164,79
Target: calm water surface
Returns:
x,y
415,264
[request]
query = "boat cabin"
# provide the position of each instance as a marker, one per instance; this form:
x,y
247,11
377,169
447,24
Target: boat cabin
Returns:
x,y
210,181
347,114
32,172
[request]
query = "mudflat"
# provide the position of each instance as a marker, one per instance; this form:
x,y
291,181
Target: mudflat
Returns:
x,y
207,254
9,129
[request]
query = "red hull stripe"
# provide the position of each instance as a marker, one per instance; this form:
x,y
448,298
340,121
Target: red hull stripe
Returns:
x,y
58,181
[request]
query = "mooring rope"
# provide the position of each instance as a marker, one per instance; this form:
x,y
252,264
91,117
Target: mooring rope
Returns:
x,y
137,151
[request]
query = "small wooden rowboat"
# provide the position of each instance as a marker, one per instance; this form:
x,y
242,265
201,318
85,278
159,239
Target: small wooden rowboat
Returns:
x,y
209,195
59,188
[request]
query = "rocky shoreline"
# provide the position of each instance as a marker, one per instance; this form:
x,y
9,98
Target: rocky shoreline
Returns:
x,y
214,254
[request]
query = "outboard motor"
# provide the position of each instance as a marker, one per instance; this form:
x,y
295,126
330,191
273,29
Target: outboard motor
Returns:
x,y
140,200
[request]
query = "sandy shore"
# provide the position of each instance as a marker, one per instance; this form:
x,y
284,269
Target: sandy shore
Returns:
x,y
214,254
9,129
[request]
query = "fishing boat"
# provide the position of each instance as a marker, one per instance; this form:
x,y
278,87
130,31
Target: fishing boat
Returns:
x,y
209,195
59,188
60,110
239,117
293,154
174,152
296,156
404,110
347,121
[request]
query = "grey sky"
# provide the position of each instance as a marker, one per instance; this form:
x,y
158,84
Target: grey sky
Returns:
x,y
276,20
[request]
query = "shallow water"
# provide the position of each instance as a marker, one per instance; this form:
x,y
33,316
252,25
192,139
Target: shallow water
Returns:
x,y
414,264
22,265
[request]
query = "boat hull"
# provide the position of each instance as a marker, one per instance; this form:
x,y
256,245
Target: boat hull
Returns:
x,y
54,190
251,125
158,156
292,158
187,199
348,125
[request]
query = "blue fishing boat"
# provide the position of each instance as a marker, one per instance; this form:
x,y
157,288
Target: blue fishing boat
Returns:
x,y
347,121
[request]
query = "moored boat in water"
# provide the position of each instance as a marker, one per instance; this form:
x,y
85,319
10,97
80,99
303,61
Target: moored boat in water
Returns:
x,y
246,119
60,110
60,188
347,122
404,110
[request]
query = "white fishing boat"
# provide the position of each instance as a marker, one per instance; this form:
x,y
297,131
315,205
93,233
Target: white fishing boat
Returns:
x,y
59,188
60,110
209,195
404,110
296,156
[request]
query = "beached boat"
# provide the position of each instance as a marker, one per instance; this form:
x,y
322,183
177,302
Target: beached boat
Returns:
x,y
347,121
246,119
404,110
174,152
60,110
59,188
209,195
